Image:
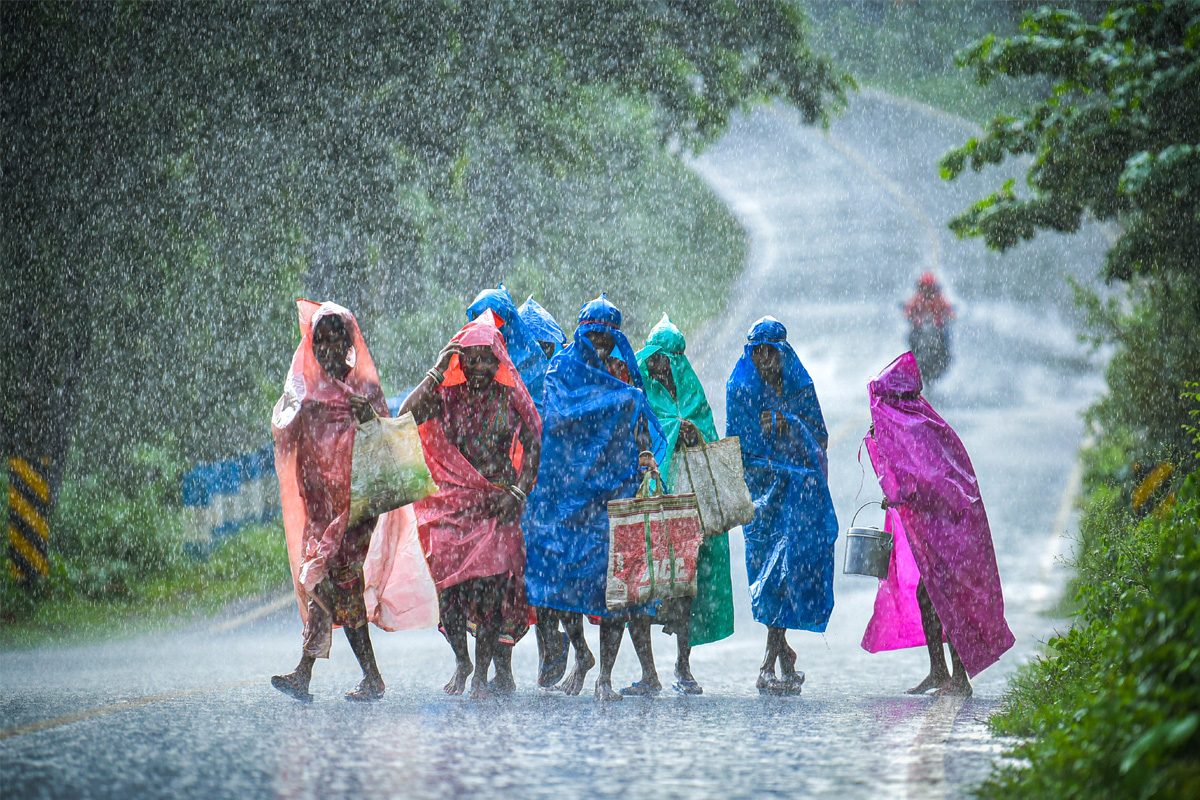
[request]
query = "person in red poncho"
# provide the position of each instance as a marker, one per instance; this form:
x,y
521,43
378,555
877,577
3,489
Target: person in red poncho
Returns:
x,y
482,440
331,383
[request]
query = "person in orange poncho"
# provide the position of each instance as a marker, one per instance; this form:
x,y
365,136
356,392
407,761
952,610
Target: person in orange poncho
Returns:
x,y
332,383
482,440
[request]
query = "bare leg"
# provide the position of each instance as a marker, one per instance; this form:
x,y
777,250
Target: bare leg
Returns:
x,y
790,678
552,648
455,626
932,625
639,632
683,657
584,660
959,685
485,644
371,687
766,673
611,633
502,658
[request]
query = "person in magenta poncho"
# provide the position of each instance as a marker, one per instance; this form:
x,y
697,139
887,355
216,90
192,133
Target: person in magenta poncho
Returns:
x,y
331,383
482,440
942,543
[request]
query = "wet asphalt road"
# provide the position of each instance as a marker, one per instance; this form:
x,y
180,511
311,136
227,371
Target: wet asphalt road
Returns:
x,y
840,225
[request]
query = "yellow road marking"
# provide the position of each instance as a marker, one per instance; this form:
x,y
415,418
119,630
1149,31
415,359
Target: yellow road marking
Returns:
x,y
92,713
31,477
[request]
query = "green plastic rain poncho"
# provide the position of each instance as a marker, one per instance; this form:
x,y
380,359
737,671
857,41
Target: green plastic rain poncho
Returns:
x,y
712,610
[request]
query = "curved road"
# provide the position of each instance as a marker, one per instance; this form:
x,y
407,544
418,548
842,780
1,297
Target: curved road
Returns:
x,y
840,224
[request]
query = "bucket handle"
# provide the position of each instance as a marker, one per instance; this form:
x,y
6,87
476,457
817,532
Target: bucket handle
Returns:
x,y
860,508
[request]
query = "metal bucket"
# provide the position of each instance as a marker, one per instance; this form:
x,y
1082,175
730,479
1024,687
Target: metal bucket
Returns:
x,y
868,552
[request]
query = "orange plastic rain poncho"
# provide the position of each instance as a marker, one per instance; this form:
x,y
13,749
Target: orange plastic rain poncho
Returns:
x,y
313,427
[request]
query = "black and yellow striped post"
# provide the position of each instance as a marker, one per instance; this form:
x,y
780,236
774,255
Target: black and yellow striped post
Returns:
x,y
28,531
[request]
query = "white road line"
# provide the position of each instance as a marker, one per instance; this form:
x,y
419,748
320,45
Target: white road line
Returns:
x,y
278,604
926,776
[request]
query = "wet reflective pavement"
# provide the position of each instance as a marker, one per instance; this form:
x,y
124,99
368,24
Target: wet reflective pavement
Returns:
x,y
840,225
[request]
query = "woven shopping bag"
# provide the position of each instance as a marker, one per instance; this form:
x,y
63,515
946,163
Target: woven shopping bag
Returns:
x,y
653,545
388,469
713,472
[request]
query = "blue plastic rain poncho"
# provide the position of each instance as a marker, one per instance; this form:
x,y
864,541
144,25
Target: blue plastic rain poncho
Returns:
x,y
593,427
523,349
712,609
789,545
541,324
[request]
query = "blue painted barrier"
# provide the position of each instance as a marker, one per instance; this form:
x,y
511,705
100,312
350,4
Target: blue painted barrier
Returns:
x,y
222,497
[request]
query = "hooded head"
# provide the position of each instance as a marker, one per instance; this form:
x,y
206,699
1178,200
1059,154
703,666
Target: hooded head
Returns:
x,y
483,331
542,326
600,317
342,347
900,379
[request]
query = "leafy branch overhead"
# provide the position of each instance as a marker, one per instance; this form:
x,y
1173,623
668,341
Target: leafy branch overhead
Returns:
x,y
1117,134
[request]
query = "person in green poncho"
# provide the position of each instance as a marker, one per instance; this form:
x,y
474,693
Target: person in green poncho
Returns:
x,y
678,400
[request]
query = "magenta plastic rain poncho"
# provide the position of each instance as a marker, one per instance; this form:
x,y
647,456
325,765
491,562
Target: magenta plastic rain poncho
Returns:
x,y
925,472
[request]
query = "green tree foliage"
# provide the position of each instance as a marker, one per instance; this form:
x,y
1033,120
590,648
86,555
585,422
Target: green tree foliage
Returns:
x,y
169,162
1116,137
174,174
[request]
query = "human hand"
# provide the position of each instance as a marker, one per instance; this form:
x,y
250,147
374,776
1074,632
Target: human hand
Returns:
x,y
448,352
361,406
506,507
646,461
689,434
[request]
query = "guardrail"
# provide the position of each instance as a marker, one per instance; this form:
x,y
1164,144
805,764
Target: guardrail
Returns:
x,y
220,498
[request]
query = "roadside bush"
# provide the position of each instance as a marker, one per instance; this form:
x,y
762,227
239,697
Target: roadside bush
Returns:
x,y
1114,710
106,538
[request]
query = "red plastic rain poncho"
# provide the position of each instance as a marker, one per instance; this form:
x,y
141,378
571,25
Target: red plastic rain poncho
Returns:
x,y
925,472
460,540
313,427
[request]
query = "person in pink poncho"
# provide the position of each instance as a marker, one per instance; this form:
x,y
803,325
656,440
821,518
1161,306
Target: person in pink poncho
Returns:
x,y
332,383
942,582
482,440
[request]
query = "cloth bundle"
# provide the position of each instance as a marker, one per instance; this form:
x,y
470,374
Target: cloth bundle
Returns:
x,y
388,468
653,547
713,472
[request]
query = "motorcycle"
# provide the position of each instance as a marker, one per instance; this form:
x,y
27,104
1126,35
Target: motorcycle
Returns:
x,y
931,346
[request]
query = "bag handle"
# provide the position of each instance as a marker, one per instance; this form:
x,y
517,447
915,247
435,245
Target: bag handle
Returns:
x,y
644,490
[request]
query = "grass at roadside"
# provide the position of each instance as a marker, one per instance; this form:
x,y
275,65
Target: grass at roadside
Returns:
x,y
251,564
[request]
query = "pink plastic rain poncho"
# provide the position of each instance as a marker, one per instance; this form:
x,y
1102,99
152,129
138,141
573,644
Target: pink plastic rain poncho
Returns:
x,y
313,427
461,541
925,472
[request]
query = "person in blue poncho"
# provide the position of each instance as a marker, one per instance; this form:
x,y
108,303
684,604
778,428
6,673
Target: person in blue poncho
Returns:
x,y
598,434
771,405
543,327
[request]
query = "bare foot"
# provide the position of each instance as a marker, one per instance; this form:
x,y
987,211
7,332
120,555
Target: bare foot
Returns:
x,y
479,689
934,680
573,684
294,684
765,679
503,683
793,681
459,681
955,687
604,690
